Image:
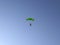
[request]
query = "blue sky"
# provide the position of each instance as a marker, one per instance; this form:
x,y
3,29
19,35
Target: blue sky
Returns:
x,y
15,30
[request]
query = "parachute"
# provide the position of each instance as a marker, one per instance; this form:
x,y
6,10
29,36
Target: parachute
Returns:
x,y
30,19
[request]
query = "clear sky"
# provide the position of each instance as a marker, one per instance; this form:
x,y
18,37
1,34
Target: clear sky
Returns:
x,y
15,30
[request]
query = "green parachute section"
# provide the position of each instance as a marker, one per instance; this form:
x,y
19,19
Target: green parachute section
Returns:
x,y
30,19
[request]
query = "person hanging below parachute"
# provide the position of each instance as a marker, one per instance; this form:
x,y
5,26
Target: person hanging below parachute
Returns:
x,y
30,19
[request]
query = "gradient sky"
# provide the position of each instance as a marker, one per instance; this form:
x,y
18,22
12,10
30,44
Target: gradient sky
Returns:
x,y
15,30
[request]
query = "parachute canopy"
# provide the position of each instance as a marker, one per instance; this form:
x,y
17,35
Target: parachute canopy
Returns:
x,y
31,19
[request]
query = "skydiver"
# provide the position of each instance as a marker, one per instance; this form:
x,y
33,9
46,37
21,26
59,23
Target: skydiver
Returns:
x,y
30,24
